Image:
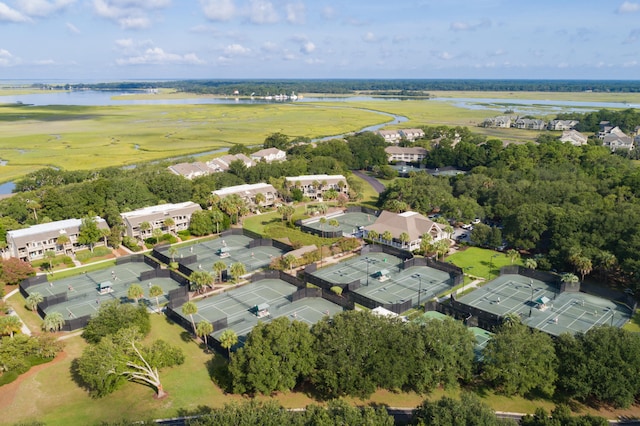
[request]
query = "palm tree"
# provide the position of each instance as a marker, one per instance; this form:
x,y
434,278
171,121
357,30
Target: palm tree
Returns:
x,y
169,223
323,220
144,227
50,256
448,230
513,255
260,198
63,240
172,252
105,233
190,309
228,338
156,291
334,223
289,261
201,279
442,248
583,266
135,292
387,236
216,217
33,300
204,329
373,235
53,321
34,205
218,268
286,212
237,270
569,278
9,325
426,243
404,238
530,263
606,262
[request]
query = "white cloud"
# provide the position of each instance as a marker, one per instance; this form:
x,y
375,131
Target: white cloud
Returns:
x,y
236,50
125,43
157,56
498,52
314,61
465,26
629,7
369,37
269,47
446,56
296,13
72,28
307,48
44,62
7,59
129,14
262,12
42,7
329,13
11,15
218,10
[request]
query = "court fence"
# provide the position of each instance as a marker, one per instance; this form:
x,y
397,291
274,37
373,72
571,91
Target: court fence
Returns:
x,y
31,281
470,315
382,248
178,297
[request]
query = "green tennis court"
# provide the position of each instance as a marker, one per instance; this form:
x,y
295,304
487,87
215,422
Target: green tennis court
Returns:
x,y
229,249
239,306
348,223
541,306
382,278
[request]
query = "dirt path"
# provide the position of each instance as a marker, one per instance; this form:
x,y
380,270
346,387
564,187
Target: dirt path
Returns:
x,y
9,391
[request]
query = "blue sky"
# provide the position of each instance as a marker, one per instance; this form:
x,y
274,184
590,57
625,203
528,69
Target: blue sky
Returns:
x,y
166,39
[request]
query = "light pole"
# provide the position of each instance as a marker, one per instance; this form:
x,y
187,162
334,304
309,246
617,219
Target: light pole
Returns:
x,y
419,286
367,260
491,266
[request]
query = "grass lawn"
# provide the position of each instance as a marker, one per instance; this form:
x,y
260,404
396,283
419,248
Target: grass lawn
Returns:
x,y
481,262
30,318
369,195
634,324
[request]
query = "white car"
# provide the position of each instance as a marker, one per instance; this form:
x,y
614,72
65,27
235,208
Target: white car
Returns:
x,y
467,226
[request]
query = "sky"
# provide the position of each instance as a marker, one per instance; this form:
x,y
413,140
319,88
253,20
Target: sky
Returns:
x,y
107,40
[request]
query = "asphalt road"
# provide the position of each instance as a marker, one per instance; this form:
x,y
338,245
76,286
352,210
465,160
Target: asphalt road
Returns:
x,y
377,186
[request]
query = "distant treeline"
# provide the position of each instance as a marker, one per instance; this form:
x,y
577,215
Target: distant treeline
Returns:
x,y
401,87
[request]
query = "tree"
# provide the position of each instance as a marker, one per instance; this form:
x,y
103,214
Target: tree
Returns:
x,y
426,243
569,278
334,223
275,357
200,223
373,235
14,270
33,300
446,411
156,291
340,412
237,270
204,329
114,316
200,280
9,324
105,366
404,238
34,205
144,228
519,360
89,233
260,198
219,267
228,339
190,308
169,223
442,248
583,266
63,240
289,261
323,221
513,254
216,217
173,250
135,292
530,263
286,212
53,321
387,236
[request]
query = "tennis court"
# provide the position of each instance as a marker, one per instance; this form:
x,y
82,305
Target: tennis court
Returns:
x,y
349,223
239,306
541,306
83,296
229,249
382,278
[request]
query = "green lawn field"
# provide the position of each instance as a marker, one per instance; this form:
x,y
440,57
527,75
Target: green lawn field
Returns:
x,y
480,262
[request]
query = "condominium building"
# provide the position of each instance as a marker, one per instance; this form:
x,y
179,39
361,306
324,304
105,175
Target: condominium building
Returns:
x,y
142,222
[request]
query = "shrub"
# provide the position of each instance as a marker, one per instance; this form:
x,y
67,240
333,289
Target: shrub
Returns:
x,y
67,260
184,234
